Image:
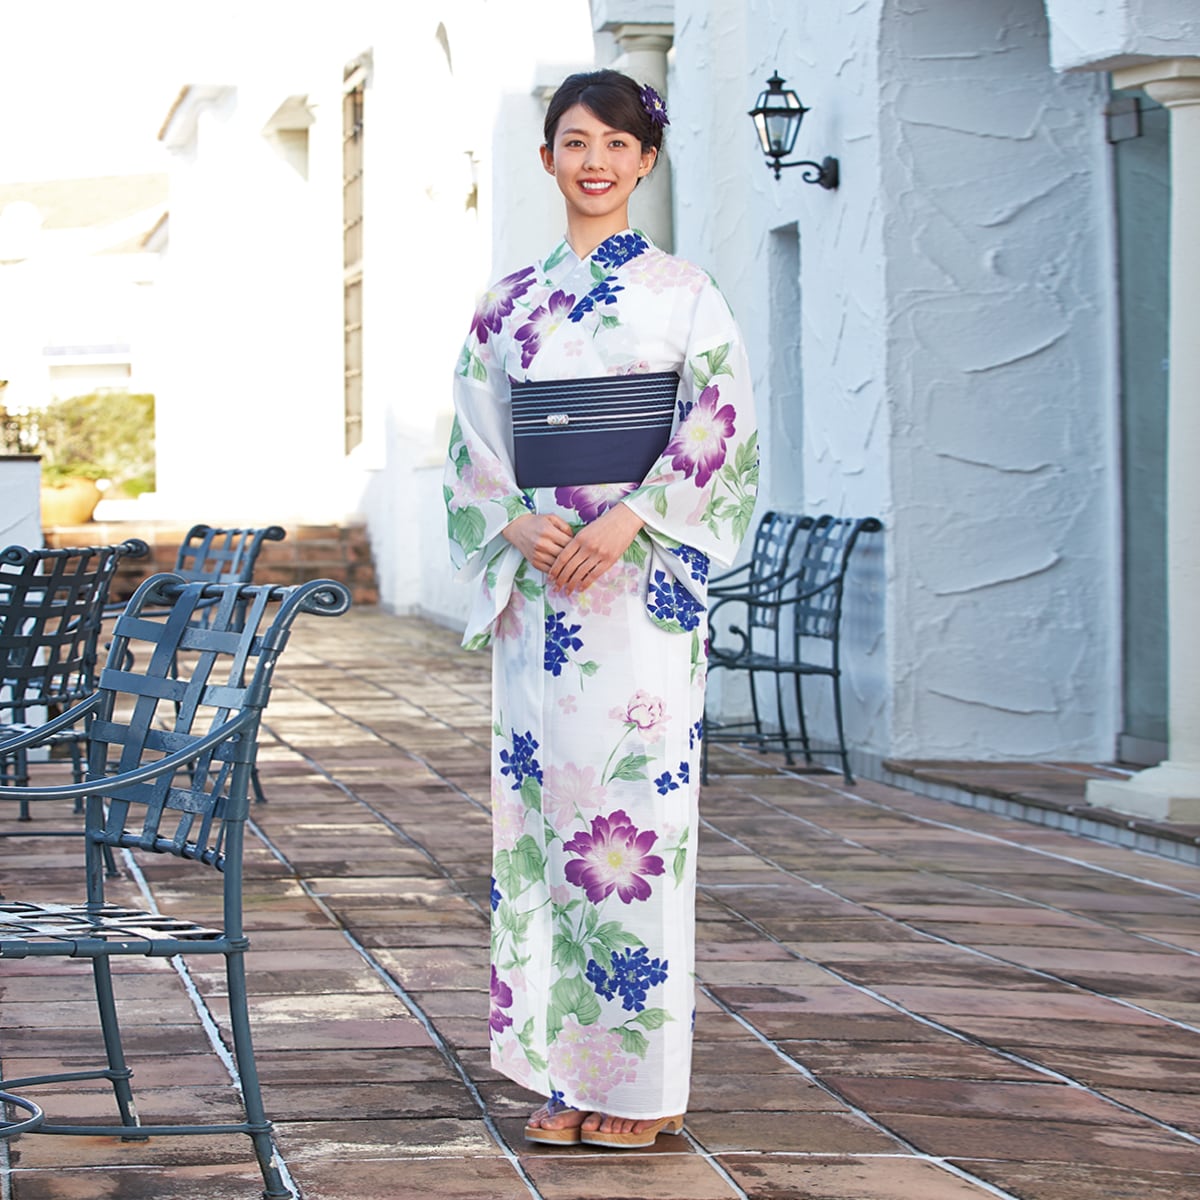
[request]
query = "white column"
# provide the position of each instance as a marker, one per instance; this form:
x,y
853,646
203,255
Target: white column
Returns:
x,y
1171,791
644,57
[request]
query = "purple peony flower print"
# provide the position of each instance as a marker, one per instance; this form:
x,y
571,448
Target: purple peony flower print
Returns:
x,y
698,446
502,998
498,302
614,857
543,321
591,499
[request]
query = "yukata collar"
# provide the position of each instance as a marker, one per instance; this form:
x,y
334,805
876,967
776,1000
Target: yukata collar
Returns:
x,y
621,246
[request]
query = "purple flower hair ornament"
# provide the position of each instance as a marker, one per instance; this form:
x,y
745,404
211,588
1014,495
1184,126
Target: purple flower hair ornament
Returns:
x,y
655,106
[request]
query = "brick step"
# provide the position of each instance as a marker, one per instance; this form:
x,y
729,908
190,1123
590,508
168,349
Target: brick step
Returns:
x,y
308,552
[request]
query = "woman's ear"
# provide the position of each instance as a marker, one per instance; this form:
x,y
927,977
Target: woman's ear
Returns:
x,y
547,158
649,158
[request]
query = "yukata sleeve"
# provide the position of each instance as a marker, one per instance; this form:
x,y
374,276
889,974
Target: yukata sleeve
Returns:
x,y
480,489
698,499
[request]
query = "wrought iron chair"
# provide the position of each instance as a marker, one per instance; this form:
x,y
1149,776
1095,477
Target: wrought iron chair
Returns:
x,y
769,556
169,758
812,594
52,606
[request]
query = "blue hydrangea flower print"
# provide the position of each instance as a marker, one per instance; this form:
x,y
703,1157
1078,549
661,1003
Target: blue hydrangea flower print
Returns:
x,y
665,783
605,292
496,896
684,772
619,249
560,640
695,735
696,560
521,764
668,600
631,974
685,409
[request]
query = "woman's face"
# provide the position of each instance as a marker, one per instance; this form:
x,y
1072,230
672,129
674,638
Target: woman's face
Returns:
x,y
596,168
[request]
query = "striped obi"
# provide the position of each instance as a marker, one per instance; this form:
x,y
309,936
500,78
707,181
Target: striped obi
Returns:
x,y
607,429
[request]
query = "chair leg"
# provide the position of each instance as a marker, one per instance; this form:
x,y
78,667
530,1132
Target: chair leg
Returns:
x,y
841,732
243,1050
256,784
783,734
800,714
758,730
118,1070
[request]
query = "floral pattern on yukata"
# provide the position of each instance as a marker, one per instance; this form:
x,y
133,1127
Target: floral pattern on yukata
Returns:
x,y
598,697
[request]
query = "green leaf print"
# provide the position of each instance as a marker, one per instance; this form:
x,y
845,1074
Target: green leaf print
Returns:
x,y
568,953
571,996
631,768
467,527
589,668
609,322
505,871
559,254
660,501
599,274
653,1018
680,861
528,859
638,550
514,507
478,370
633,1041
531,793
610,938
462,460
525,1037
742,517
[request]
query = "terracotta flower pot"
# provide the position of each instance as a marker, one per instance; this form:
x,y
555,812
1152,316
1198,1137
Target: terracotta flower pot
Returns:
x,y
70,502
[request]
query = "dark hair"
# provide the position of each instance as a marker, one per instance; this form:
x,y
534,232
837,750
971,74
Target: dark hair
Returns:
x,y
614,98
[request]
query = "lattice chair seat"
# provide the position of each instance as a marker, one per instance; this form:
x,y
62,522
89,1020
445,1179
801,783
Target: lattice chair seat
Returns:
x,y
785,614
171,749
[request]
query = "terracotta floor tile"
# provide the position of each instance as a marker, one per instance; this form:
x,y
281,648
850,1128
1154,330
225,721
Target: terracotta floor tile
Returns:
x,y
883,1178
810,1133
602,1176
1055,1181
412,1179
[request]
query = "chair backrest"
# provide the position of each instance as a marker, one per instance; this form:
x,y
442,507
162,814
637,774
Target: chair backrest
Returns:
x,y
51,611
195,679
819,580
211,555
769,561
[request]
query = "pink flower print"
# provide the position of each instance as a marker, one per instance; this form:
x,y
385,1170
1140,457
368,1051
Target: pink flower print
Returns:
x,y
645,712
508,816
614,857
485,480
587,1062
699,443
573,348
568,704
509,1057
638,368
560,894
502,998
509,623
599,597
498,302
591,499
657,272
568,788
542,322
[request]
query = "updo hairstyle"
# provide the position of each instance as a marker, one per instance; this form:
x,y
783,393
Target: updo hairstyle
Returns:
x,y
612,97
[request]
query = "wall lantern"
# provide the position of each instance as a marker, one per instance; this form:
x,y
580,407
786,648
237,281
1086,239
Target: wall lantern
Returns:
x,y
777,117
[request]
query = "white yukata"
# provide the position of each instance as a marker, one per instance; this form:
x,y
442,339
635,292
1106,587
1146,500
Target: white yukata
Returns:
x,y
598,697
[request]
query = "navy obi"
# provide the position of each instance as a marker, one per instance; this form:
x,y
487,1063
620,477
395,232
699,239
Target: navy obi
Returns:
x,y
607,429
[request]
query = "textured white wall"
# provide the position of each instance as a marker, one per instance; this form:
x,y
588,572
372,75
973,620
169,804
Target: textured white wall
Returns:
x,y
995,184
20,506
1105,34
954,340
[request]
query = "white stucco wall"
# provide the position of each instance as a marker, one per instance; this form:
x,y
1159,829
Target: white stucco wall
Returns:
x,y
955,334
1106,34
997,242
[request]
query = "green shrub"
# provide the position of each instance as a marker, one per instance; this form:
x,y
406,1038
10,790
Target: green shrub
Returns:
x,y
100,435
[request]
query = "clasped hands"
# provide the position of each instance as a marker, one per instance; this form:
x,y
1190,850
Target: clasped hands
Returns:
x,y
574,561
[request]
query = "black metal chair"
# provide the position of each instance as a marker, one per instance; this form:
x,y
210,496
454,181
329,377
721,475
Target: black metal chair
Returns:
x,y
52,607
171,748
812,593
768,561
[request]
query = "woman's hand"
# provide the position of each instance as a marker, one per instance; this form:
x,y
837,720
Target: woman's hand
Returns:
x,y
595,548
539,537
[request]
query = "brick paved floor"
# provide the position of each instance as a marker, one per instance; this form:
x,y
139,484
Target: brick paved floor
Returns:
x,y
899,999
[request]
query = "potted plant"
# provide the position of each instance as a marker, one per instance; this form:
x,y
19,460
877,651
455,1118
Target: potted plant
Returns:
x,y
98,440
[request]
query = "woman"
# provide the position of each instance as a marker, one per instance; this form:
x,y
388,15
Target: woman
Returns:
x,y
603,454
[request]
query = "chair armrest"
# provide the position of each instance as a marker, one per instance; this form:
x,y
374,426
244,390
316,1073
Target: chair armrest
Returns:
x,y
22,741
162,766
